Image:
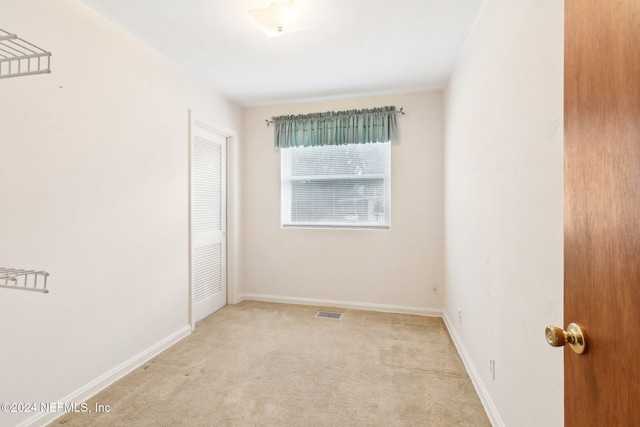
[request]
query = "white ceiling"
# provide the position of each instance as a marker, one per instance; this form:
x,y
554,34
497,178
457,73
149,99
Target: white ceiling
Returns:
x,y
352,47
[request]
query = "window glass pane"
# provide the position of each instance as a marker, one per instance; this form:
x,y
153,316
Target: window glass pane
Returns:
x,y
336,186
338,160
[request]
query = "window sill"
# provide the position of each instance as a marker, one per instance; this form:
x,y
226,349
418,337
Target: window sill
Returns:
x,y
335,227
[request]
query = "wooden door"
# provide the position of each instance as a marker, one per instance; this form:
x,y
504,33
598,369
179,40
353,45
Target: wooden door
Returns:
x,y
208,218
602,210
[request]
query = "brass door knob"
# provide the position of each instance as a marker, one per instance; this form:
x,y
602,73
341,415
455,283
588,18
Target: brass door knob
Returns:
x,y
574,336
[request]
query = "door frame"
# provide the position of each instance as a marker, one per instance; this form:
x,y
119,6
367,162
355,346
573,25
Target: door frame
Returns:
x,y
232,244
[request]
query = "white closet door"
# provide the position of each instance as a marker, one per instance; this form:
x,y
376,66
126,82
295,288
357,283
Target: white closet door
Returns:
x,y
208,219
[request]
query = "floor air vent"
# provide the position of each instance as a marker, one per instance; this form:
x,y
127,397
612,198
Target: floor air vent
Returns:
x,y
329,315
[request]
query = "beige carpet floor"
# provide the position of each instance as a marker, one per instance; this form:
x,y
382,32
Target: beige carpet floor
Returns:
x,y
264,364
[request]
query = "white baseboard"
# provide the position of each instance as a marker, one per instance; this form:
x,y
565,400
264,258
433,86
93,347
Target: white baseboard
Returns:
x,y
481,390
83,393
421,311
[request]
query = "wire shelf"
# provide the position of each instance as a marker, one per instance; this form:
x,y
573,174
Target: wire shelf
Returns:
x,y
25,280
18,57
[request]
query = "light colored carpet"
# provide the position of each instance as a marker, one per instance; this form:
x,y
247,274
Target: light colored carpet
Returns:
x,y
264,364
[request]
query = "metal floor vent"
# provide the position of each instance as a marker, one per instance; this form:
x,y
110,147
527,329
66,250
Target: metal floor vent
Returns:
x,y
329,315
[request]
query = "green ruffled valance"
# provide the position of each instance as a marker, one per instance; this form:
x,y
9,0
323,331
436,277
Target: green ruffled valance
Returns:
x,y
336,128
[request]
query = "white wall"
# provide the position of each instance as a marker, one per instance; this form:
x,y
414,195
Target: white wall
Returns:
x,y
399,267
504,206
93,189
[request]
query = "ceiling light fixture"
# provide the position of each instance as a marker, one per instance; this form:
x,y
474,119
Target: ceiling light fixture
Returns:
x,y
278,19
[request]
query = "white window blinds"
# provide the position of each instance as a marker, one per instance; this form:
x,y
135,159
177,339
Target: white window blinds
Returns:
x,y
336,186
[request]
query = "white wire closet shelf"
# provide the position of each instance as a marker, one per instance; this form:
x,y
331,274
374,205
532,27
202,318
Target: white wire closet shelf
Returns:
x,y
18,57
25,280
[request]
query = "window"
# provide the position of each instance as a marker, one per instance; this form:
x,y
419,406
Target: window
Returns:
x,y
336,186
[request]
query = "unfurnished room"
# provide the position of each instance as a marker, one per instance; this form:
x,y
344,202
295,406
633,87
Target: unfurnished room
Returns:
x,y
311,213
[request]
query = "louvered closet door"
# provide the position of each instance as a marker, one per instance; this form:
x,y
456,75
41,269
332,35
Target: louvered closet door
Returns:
x,y
208,219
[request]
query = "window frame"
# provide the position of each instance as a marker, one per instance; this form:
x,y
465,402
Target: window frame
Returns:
x,y
286,195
